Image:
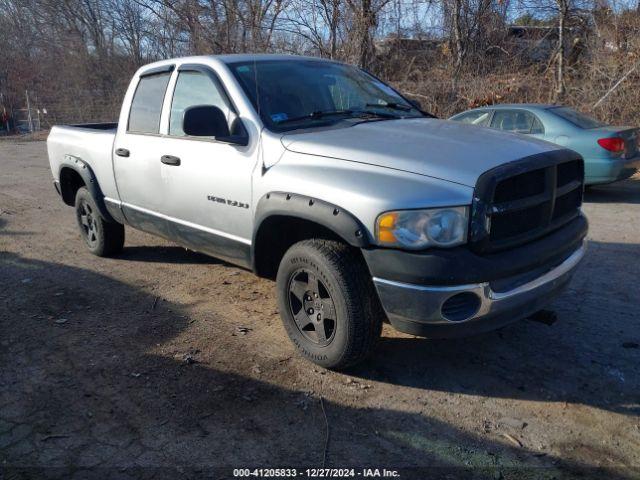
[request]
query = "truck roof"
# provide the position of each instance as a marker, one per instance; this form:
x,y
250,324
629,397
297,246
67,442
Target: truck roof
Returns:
x,y
231,58
261,57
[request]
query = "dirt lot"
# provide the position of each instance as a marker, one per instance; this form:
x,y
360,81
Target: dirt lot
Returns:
x,y
167,363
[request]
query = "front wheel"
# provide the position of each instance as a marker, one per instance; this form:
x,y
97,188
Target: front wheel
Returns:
x,y
102,238
328,303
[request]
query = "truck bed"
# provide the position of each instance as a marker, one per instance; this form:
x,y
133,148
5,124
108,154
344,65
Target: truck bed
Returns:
x,y
90,142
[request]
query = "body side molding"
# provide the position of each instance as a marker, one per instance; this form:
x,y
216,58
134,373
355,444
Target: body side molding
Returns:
x,y
336,219
301,207
83,169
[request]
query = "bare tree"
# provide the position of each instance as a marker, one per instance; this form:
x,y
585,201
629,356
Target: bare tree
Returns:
x,y
131,27
77,55
364,19
470,24
316,22
563,13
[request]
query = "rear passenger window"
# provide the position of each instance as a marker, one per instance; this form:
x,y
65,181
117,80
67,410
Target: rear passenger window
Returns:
x,y
517,121
146,106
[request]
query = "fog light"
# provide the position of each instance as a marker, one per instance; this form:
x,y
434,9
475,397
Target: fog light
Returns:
x,y
460,306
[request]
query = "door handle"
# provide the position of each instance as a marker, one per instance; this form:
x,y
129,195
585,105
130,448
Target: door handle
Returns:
x,y
170,160
122,152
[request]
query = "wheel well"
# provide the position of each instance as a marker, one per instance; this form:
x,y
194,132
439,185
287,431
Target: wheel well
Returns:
x,y
277,233
70,183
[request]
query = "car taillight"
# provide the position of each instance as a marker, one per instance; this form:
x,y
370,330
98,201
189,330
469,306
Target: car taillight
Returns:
x,y
613,144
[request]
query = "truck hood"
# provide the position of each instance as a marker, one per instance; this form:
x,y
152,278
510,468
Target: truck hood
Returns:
x,y
447,150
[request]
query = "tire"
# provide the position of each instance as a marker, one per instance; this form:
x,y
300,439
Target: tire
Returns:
x,y
102,238
320,279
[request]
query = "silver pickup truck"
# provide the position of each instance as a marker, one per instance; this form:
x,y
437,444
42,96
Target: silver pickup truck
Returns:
x,y
314,173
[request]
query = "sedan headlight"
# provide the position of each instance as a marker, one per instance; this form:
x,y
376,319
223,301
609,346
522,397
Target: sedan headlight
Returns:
x,y
416,229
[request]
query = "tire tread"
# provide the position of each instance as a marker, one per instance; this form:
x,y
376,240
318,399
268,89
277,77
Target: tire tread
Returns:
x,y
361,299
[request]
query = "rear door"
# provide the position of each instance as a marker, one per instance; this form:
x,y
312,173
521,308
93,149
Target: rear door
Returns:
x,y
518,121
137,151
208,190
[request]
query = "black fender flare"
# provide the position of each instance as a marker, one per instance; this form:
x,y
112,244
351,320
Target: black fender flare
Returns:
x,y
338,220
85,171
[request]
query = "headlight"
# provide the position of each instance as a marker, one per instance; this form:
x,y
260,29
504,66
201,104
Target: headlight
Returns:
x,y
415,229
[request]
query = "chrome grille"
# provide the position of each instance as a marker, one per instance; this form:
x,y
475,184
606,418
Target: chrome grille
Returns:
x,y
521,201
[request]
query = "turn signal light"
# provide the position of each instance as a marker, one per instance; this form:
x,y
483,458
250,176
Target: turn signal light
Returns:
x,y
386,224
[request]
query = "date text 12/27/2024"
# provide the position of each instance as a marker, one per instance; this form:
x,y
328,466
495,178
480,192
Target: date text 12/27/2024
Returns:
x,y
315,473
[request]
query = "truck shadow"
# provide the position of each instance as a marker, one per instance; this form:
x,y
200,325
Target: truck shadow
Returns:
x,y
166,254
588,356
627,191
92,386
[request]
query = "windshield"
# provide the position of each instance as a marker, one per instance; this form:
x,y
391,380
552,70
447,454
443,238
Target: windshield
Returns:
x,y
294,94
578,119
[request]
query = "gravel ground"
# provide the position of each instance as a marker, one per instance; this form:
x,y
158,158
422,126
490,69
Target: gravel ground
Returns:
x,y
166,363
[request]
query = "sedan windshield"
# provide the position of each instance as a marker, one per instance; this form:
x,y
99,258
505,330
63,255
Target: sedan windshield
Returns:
x,y
293,94
578,119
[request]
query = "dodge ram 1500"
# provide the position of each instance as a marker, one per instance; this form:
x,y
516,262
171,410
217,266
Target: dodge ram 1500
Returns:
x,y
314,173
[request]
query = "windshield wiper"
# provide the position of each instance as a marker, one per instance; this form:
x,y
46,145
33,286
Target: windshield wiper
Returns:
x,y
391,105
371,113
363,114
315,115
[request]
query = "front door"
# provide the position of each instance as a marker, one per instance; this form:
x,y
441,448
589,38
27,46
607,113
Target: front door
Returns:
x,y
208,183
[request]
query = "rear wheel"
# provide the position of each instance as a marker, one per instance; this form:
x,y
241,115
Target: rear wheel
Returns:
x,y
328,303
102,238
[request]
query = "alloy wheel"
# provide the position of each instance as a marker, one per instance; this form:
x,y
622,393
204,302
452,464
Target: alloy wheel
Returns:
x,y
88,223
312,307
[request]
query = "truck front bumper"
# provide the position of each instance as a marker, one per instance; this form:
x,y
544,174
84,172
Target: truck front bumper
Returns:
x,y
496,290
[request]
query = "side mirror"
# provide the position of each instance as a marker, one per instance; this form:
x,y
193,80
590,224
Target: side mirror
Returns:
x,y
209,121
